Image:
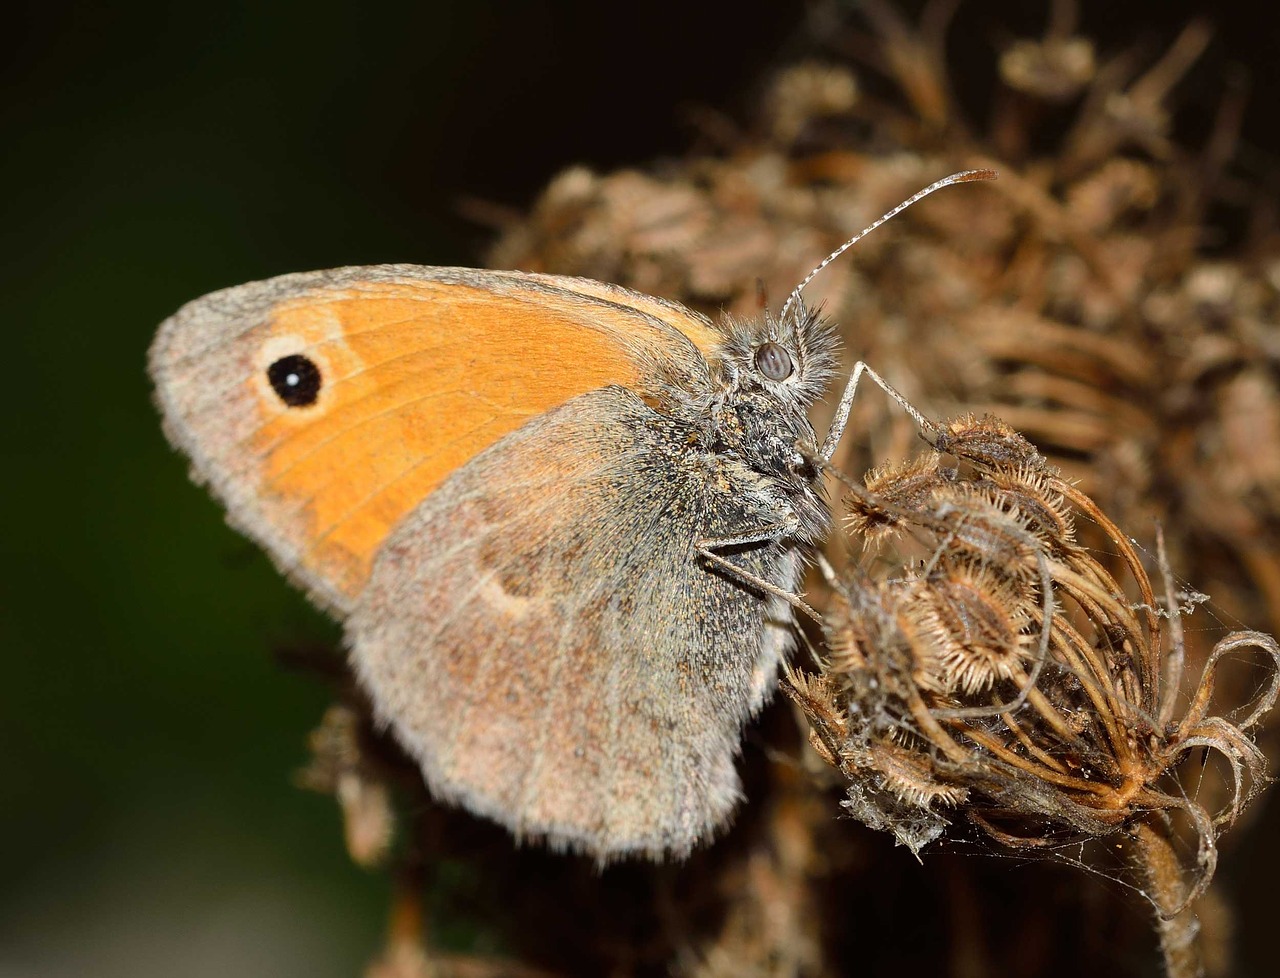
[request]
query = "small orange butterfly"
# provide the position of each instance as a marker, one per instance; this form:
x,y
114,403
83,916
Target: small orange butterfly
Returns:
x,y
562,521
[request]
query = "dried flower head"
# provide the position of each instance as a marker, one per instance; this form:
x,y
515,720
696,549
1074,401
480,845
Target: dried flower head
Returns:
x,y
1000,674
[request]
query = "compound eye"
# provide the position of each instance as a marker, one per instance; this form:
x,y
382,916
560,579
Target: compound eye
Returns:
x,y
774,362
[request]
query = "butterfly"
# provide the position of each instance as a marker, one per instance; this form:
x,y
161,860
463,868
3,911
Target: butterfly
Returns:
x,y
562,522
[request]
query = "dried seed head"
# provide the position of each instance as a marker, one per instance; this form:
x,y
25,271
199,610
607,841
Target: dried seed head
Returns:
x,y
807,93
1118,189
867,622
1035,495
986,528
1074,299
891,489
910,778
1008,679
978,624
988,442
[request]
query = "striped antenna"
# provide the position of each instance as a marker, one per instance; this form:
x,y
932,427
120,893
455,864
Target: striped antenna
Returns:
x,y
964,176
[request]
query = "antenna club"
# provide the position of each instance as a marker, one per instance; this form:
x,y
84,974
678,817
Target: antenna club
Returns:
x,y
973,176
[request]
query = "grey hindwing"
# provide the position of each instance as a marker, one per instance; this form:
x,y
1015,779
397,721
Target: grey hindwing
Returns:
x,y
542,637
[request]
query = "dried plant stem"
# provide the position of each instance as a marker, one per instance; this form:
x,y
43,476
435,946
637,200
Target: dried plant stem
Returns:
x,y
405,954
1166,886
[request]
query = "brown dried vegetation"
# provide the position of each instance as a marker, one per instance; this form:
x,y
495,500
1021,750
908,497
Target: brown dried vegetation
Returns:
x,y
998,661
997,673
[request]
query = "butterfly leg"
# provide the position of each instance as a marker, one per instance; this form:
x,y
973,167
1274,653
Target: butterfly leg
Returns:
x,y
771,533
841,419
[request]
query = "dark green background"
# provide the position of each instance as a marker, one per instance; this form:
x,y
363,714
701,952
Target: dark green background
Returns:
x,y
151,153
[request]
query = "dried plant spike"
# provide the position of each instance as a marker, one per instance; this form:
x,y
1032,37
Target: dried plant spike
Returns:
x,y
816,696
1175,655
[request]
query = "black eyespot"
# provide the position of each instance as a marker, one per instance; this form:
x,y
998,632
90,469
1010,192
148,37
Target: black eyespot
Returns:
x,y
296,380
774,362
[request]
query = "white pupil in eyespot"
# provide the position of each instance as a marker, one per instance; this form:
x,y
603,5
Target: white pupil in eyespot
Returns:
x,y
296,380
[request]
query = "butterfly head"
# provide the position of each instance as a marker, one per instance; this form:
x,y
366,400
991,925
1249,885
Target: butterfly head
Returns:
x,y
788,361
771,371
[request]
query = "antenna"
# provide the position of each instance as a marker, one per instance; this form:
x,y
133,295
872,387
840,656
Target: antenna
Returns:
x,y
964,176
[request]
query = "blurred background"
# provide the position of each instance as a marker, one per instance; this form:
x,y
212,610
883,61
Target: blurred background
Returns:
x,y
154,152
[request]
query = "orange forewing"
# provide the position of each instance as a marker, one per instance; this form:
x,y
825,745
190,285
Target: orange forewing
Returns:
x,y
413,390
698,331
422,369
